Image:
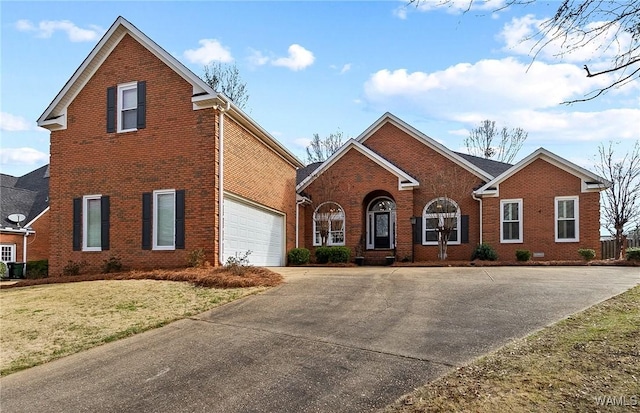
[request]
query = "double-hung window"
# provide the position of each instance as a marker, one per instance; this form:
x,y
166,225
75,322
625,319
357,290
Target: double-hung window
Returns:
x,y
163,219
328,224
511,221
8,252
126,107
441,216
567,219
91,223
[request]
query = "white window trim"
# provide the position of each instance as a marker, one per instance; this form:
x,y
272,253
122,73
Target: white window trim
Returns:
x,y
329,237
121,88
155,220
458,216
576,214
85,223
13,252
503,202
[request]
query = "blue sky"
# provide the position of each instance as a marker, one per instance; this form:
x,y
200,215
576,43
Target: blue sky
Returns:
x,y
319,67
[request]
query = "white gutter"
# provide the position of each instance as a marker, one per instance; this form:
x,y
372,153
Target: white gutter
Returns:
x,y
473,195
24,254
300,200
221,182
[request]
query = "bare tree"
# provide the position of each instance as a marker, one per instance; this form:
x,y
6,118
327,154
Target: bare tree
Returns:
x,y
226,79
492,143
613,26
621,202
328,215
447,185
320,149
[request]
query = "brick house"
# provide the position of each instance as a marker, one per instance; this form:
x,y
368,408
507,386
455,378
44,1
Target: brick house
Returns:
x,y
24,210
149,163
387,191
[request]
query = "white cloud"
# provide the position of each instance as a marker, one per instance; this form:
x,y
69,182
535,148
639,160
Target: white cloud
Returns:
x,y
345,68
455,6
13,123
210,50
22,156
511,93
301,142
522,36
256,58
299,58
47,28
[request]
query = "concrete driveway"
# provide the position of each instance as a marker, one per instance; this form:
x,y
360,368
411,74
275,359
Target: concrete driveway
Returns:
x,y
329,340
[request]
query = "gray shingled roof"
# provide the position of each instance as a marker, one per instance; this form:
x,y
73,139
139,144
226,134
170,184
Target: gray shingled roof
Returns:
x,y
27,195
302,173
492,167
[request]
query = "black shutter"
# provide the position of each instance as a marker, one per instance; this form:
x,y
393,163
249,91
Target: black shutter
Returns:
x,y
77,224
146,220
111,109
464,231
180,219
142,105
104,223
417,231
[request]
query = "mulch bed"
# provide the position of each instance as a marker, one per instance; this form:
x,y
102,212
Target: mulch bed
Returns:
x,y
204,277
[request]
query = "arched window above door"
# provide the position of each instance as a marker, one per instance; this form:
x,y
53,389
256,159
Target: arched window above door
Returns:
x,y
381,224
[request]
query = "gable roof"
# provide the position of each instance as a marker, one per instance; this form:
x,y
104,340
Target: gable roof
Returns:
x,y
591,181
405,181
27,195
426,140
302,173
203,96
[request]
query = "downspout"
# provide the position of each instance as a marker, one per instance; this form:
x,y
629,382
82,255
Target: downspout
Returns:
x,y
473,195
221,112
24,253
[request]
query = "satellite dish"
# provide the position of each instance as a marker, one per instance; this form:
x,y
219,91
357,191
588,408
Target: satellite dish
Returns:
x,y
17,218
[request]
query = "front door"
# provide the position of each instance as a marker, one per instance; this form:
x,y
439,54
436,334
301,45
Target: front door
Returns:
x,y
382,238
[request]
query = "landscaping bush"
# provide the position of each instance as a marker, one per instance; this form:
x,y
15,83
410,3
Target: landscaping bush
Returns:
x,y
37,269
299,256
196,258
339,254
322,254
3,270
484,252
633,254
73,267
523,255
113,264
238,264
587,254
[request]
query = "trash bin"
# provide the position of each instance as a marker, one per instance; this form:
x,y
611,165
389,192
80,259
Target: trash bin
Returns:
x,y
15,269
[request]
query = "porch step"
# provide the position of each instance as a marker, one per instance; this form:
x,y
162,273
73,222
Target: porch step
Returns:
x,y
377,257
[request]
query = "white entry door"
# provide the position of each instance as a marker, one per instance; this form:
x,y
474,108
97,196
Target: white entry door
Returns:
x,y
248,227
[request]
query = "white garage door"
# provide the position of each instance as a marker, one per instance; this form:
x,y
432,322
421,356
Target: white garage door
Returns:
x,y
248,227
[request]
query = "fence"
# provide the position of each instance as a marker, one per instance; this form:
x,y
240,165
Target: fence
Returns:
x,y
608,247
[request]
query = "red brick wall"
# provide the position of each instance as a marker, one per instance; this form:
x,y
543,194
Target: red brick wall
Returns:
x,y
423,163
252,170
537,185
176,150
354,176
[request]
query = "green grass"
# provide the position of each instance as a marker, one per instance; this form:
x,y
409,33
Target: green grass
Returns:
x,y
46,322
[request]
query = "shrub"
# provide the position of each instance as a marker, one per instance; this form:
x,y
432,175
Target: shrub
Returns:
x,y
196,258
37,269
633,254
73,267
339,254
3,269
238,264
484,252
322,255
523,255
299,256
113,264
587,254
